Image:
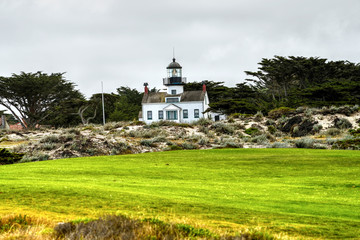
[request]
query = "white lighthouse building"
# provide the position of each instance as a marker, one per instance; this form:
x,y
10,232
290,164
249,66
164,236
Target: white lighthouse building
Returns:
x,y
175,104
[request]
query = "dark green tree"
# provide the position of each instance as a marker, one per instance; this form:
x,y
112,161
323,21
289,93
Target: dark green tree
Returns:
x,y
31,97
128,104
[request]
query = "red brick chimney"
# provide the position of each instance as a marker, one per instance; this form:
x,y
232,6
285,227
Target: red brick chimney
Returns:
x,y
146,90
204,87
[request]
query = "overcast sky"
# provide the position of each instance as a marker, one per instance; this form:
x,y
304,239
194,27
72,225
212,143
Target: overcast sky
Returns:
x,y
127,43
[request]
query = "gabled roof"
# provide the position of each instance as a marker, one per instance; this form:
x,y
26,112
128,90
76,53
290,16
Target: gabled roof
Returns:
x,y
188,96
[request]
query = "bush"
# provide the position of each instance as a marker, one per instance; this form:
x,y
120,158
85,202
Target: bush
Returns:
x,y
260,139
355,132
203,141
189,146
342,123
148,133
271,129
223,128
280,145
113,125
252,131
305,143
317,128
121,227
50,139
281,111
270,122
203,122
120,148
204,129
332,132
351,144
39,156
258,117
173,148
241,116
7,157
148,143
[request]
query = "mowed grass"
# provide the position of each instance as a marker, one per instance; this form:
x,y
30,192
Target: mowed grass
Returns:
x,y
296,192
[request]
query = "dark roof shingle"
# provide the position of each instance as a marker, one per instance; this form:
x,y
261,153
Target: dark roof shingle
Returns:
x,y
188,96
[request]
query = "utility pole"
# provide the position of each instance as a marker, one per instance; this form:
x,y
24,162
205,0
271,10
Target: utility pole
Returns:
x,y
102,98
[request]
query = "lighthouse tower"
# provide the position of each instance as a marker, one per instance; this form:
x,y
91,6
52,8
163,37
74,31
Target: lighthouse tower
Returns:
x,y
174,80
175,104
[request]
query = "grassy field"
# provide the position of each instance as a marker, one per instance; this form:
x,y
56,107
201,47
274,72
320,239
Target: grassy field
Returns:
x,y
295,192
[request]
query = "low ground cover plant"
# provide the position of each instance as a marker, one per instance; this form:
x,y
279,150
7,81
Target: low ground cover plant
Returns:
x,y
7,157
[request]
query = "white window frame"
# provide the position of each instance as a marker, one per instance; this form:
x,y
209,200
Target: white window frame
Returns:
x,y
161,114
175,115
149,115
196,113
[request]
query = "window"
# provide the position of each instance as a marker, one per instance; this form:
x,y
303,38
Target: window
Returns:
x,y
196,113
186,113
149,115
173,92
171,115
172,100
161,115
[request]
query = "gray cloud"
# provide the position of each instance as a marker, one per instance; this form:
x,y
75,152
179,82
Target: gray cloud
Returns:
x,y
126,43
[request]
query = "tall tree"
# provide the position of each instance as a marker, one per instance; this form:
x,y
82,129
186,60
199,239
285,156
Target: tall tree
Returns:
x,y
31,97
128,105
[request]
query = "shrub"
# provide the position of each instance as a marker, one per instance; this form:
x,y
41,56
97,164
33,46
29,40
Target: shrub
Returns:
x,y
280,145
173,148
137,123
355,132
113,125
73,131
270,122
351,144
148,133
203,122
148,143
342,123
241,116
48,146
281,111
252,131
39,156
121,227
271,129
204,129
258,117
15,222
203,141
230,120
308,112
260,139
187,145
50,139
317,128
305,143
7,157
120,148
301,109
332,132
223,128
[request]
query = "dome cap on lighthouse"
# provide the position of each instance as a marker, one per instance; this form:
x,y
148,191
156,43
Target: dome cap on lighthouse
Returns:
x,y
173,64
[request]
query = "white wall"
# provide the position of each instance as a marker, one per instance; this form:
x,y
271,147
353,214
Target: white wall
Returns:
x,y
179,89
190,106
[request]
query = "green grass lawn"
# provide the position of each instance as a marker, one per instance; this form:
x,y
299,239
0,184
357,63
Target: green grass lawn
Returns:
x,y
299,192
